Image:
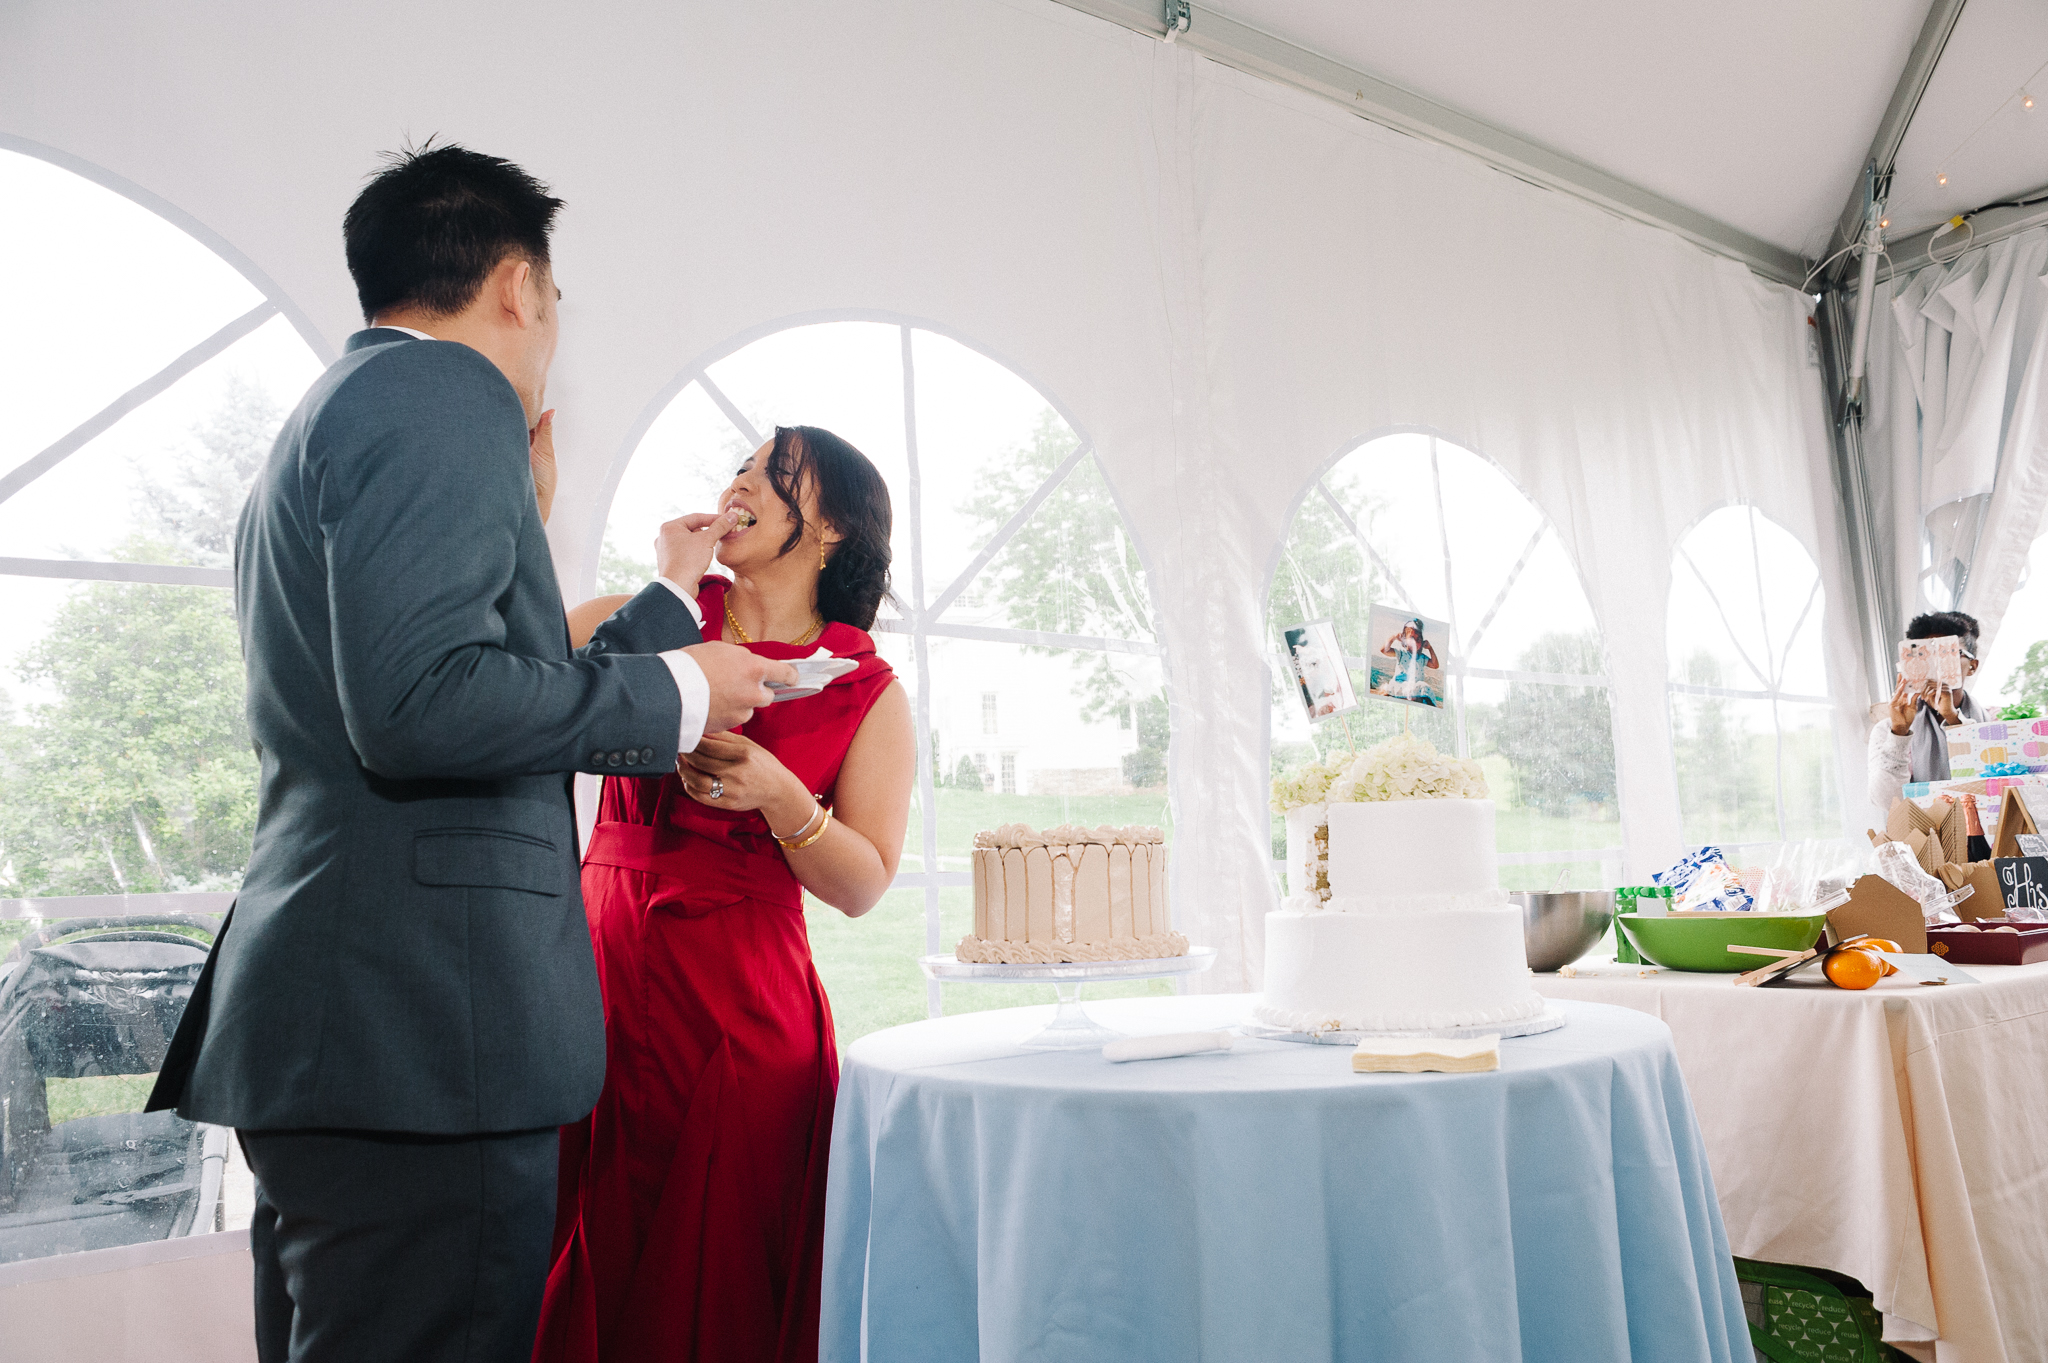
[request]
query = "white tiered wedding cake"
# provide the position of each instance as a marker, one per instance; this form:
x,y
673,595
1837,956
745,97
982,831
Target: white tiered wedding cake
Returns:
x,y
1412,932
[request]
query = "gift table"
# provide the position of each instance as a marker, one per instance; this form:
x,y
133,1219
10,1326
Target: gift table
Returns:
x,y
1897,1134
987,1201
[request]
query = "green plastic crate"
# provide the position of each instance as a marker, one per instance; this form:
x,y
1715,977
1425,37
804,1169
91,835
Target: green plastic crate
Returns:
x,y
1796,1315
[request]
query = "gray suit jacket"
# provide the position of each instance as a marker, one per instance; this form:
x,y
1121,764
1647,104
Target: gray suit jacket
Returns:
x,y
408,951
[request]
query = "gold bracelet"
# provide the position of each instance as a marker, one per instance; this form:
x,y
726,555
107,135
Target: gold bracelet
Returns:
x,y
817,808
800,846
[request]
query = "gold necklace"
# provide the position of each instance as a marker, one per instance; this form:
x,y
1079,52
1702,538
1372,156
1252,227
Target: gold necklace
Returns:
x,y
746,638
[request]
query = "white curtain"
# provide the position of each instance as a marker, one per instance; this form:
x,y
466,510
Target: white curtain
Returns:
x,y
1958,426
1225,283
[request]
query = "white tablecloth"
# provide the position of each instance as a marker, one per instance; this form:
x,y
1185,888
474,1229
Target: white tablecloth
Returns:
x,y
1897,1134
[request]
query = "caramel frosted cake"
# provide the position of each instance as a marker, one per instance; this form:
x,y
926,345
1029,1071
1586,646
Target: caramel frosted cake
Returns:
x,y
1070,894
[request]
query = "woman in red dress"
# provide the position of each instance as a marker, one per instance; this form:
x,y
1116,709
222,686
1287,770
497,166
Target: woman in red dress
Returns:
x,y
691,1213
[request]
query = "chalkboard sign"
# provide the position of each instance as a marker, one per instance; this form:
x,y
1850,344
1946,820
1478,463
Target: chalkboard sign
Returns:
x,y
2023,883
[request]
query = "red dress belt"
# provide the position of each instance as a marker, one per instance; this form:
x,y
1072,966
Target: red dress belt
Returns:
x,y
715,871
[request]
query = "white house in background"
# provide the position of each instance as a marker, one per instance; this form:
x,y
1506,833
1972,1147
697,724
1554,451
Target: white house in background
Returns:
x,y
1016,716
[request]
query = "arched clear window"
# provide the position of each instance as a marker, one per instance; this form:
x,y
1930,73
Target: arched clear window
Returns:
x,y
1417,522
144,378
2015,670
1751,724
1019,622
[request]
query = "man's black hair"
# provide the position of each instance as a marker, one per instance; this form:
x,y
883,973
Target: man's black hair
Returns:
x,y
1944,625
431,226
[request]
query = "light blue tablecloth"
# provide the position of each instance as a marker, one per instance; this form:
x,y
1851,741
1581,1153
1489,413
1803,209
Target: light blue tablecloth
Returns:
x,y
1266,1203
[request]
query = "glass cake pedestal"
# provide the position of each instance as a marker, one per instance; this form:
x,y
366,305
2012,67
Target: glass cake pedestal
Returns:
x,y
1071,1028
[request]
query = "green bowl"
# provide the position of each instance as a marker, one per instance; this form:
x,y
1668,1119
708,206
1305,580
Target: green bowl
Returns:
x,y
1702,943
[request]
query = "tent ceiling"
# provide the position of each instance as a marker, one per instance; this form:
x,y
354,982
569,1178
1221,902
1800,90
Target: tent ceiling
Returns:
x,y
1971,124
1754,113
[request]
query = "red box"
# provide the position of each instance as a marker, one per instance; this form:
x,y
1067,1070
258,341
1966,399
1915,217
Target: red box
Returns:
x,y
2028,945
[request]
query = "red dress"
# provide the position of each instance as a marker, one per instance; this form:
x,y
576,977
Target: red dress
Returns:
x,y
691,1215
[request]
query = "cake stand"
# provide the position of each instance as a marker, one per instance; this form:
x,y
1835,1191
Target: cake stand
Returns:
x,y
1071,1028
1549,1020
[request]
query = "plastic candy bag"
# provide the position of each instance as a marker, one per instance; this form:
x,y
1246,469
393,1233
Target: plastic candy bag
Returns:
x,y
1897,864
1812,876
1704,881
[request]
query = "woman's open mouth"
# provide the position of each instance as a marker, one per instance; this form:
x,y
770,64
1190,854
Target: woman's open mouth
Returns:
x,y
747,519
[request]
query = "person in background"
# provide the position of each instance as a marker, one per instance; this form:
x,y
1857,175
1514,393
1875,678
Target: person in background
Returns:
x,y
1912,747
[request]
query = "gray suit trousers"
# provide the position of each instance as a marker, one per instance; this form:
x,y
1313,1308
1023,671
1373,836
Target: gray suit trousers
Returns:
x,y
373,1246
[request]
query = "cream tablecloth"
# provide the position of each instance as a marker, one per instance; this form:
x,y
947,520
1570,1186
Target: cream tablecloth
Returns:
x,y
1899,1135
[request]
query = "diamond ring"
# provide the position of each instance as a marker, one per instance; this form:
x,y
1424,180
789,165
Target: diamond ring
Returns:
x,y
717,788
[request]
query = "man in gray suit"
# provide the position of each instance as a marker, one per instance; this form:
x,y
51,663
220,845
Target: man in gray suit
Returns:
x,y
403,1006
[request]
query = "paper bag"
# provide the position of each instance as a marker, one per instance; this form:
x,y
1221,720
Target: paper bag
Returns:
x,y
1880,909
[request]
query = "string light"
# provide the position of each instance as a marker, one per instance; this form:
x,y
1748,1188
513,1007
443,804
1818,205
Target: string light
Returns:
x,y
2023,92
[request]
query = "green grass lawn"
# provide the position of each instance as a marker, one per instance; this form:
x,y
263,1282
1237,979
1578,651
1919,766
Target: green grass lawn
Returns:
x,y
869,964
98,1096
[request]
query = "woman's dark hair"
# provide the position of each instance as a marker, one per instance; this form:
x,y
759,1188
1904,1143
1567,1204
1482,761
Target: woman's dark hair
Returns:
x,y
854,501
431,226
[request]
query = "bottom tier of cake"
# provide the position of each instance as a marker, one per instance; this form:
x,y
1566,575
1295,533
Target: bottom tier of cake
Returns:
x,y
1387,972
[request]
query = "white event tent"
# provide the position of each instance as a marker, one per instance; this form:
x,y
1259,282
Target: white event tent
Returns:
x,y
1550,314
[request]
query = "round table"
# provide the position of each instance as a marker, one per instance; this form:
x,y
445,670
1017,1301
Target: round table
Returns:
x,y
995,1203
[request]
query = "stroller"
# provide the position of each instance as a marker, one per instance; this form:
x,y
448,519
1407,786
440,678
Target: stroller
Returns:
x,y
85,997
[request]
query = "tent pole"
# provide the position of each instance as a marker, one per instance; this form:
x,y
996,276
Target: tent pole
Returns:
x,y
1876,610
1891,129
1873,245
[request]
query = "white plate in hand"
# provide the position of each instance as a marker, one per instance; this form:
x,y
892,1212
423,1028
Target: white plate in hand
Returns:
x,y
812,676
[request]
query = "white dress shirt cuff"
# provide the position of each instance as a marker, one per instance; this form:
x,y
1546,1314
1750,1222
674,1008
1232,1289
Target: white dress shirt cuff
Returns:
x,y
696,696
687,600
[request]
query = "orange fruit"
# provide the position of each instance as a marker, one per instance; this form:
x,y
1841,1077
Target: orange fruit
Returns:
x,y
1853,968
1882,944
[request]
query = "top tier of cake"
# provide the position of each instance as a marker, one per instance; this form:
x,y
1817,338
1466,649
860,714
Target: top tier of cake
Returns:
x,y
1443,846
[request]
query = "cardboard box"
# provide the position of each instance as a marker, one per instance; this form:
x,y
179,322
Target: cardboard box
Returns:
x,y
1879,909
2028,945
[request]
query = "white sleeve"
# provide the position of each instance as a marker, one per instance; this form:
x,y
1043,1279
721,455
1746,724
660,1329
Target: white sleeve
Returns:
x,y
696,694
687,600
1890,765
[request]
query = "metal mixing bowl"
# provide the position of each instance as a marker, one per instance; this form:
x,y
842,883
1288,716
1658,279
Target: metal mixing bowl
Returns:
x,y
1559,928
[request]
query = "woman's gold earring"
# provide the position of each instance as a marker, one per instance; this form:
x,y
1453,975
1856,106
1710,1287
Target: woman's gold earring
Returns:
x,y
821,553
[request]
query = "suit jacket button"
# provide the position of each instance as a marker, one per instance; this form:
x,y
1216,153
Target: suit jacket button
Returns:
x,y
615,759
597,759
635,757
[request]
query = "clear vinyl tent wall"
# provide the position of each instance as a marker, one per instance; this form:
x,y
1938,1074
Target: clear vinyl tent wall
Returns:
x,y
1019,620
1751,714
1415,521
127,784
